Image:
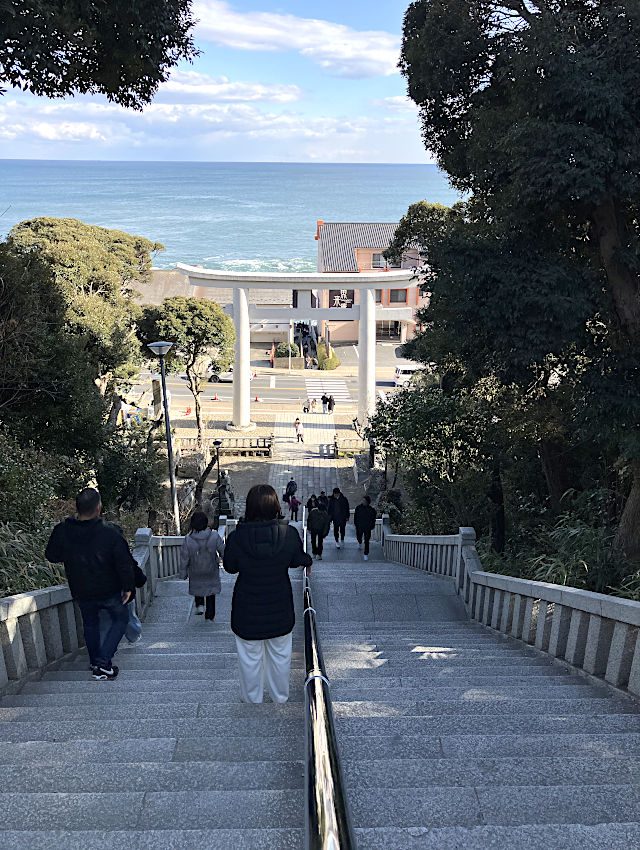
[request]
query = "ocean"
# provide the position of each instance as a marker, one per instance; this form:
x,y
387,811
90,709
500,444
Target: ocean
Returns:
x,y
235,216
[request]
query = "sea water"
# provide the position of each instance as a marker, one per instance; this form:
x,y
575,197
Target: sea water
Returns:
x,y
237,216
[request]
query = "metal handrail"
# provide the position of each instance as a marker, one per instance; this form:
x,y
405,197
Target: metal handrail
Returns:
x,y
327,820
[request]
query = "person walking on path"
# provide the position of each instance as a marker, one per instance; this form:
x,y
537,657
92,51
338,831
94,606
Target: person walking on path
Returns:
x,y
331,403
364,519
100,572
312,502
290,489
323,501
318,525
261,551
314,405
199,562
338,514
294,506
325,403
299,430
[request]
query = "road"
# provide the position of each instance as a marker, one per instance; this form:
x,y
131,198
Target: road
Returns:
x,y
277,390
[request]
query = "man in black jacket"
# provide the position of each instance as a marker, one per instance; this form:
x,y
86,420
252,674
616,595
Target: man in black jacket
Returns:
x,y
338,514
364,519
100,572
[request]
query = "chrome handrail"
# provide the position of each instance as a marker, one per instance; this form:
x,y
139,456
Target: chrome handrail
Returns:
x,y
327,820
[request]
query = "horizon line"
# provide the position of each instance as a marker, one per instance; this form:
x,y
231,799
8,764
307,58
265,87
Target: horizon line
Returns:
x,y
210,161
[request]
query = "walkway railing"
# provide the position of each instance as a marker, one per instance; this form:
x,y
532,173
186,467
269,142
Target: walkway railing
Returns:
x,y
594,632
327,821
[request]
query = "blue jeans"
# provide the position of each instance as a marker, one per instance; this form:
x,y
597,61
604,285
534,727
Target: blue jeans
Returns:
x,y
134,626
102,648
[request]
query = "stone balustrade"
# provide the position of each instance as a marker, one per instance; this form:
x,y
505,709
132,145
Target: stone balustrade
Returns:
x,y
594,632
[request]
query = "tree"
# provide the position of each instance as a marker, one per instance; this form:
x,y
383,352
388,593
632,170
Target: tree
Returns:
x,y
131,470
48,393
95,272
117,48
201,332
534,106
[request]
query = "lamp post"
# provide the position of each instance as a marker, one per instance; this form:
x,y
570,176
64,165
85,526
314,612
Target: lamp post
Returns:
x,y
216,445
160,349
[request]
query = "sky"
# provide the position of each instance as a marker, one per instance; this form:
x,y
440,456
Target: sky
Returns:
x,y
288,82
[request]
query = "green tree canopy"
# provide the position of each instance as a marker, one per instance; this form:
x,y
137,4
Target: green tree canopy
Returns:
x,y
534,107
96,272
121,49
202,334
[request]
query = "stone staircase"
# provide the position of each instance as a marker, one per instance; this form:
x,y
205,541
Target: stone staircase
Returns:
x,y
451,735
454,737
166,756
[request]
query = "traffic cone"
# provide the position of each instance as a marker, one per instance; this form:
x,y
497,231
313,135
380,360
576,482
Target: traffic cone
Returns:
x,y
215,398
187,412
256,398
255,374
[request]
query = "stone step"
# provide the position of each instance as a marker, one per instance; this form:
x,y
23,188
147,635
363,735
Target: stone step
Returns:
x,y
487,724
236,809
28,711
407,664
410,707
153,776
126,684
244,728
109,696
194,670
488,746
501,806
154,839
132,750
568,836
491,772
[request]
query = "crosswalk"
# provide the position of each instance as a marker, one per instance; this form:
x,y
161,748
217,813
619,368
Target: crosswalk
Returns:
x,y
336,387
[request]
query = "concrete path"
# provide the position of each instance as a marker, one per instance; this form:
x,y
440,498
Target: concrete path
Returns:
x,y
454,737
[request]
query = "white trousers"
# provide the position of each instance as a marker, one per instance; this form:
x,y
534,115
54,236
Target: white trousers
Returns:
x,y
260,660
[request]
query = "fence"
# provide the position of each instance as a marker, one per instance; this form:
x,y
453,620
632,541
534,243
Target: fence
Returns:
x,y
594,632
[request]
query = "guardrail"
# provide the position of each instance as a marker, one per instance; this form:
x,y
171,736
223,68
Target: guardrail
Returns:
x,y
327,820
232,445
349,444
431,553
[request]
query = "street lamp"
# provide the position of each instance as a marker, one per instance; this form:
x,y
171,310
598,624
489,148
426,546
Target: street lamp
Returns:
x,y
216,445
160,349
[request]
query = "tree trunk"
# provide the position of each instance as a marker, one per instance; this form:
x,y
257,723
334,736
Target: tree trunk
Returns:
x,y
623,282
556,470
112,418
627,539
194,386
202,481
498,520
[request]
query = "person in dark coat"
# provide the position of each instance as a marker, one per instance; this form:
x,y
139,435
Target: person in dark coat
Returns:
x,y
100,572
323,501
261,551
331,404
338,514
318,525
312,502
364,519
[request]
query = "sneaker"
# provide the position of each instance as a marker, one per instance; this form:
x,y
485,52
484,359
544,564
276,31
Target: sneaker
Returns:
x,y
102,674
319,557
199,609
366,557
337,545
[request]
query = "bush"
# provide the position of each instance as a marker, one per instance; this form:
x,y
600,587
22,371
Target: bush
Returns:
x,y
326,362
22,563
27,482
282,349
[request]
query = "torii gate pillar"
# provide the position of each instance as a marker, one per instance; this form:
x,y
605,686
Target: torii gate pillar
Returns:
x,y
367,355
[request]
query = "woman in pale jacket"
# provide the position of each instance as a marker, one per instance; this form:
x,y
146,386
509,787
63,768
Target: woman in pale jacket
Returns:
x,y
199,562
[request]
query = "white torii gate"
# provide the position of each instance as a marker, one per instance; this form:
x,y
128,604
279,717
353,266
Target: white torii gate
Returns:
x,y
304,285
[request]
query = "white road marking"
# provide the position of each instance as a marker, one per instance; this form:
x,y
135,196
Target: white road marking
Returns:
x,y
355,348
272,382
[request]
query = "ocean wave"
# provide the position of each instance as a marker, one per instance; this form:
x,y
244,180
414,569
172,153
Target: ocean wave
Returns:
x,y
263,264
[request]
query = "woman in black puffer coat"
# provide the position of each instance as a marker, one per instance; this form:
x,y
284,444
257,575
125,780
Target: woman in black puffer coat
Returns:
x,y
261,551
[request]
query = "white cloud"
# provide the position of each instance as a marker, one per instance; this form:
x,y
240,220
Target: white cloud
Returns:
x,y
399,104
191,87
338,49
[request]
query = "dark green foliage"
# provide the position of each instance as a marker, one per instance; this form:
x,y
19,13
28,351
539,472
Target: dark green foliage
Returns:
x,y
131,469
121,49
327,362
202,334
283,349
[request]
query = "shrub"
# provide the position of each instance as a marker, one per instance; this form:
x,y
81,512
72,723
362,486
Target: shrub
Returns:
x,y
282,349
22,563
27,482
325,362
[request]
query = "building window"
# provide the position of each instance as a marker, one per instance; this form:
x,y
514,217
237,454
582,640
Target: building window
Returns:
x,y
378,261
398,296
378,296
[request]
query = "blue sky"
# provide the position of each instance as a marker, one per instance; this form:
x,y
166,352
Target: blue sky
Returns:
x,y
293,81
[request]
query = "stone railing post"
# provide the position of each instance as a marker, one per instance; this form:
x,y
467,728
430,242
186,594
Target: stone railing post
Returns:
x,y
142,542
467,538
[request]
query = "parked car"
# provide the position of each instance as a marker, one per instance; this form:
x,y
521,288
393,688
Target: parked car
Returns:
x,y
223,377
